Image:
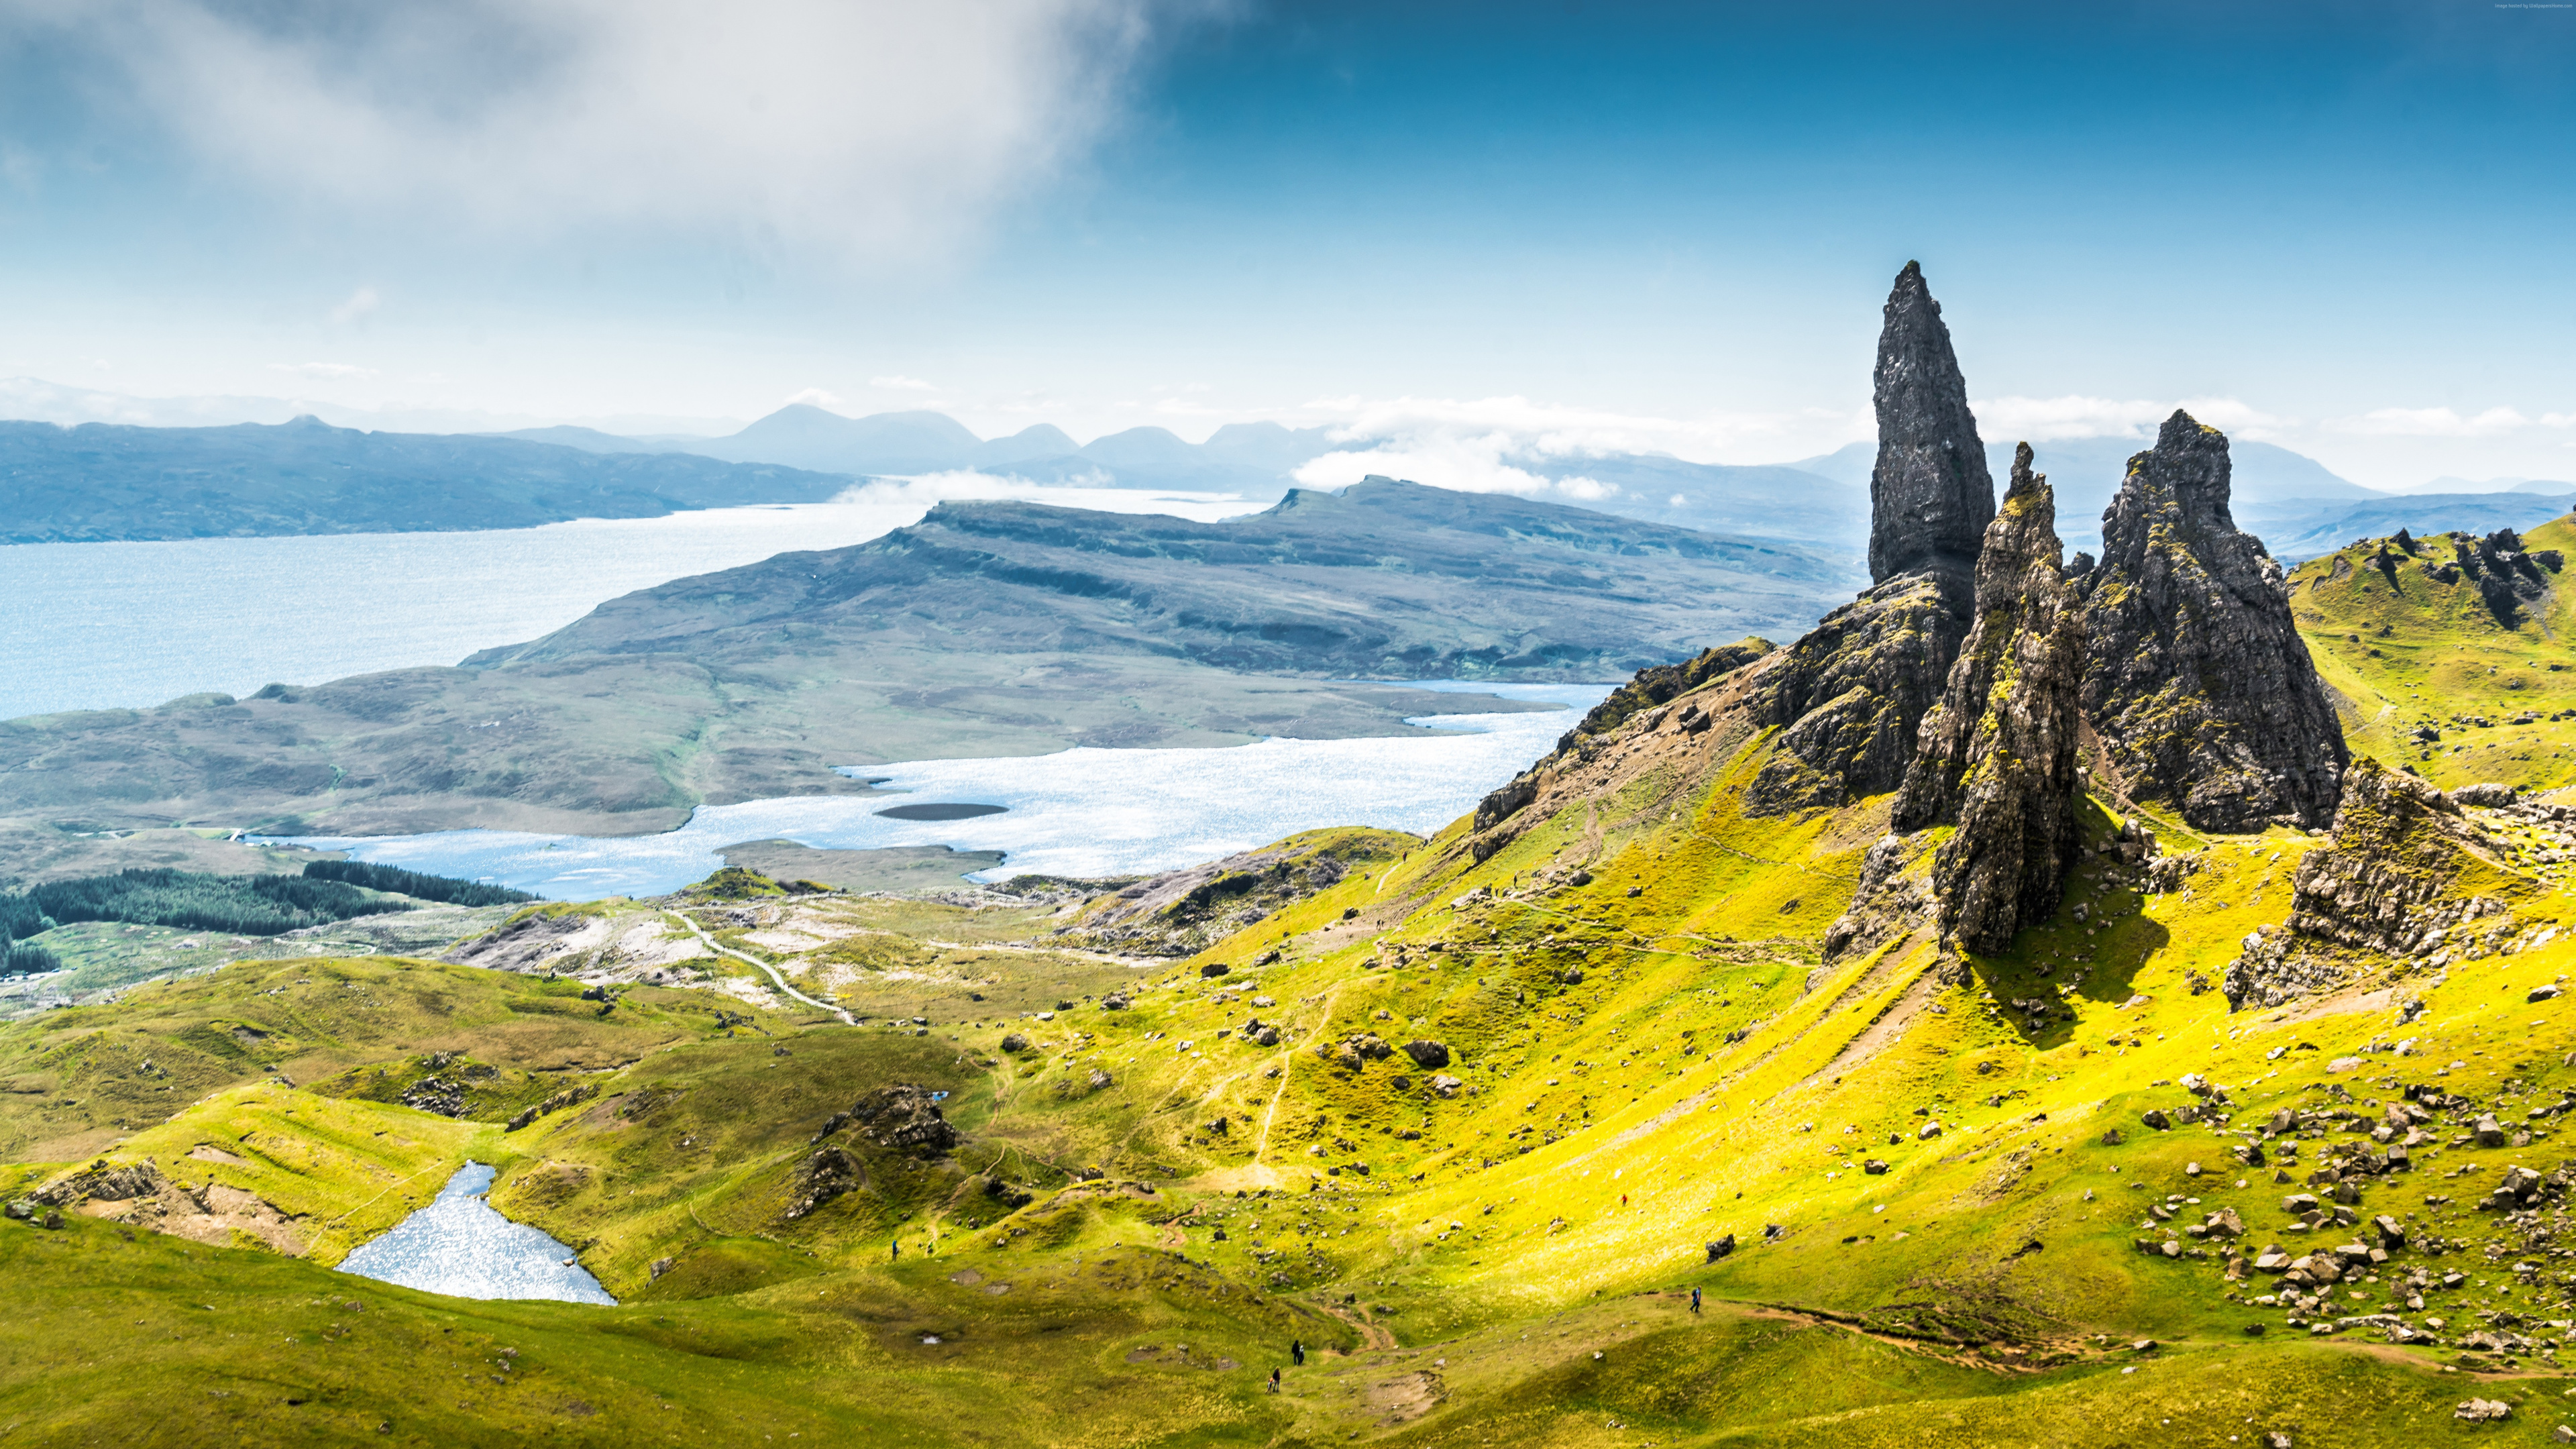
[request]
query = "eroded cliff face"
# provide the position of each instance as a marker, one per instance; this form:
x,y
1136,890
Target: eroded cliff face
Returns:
x,y
2196,679
1852,694
1997,755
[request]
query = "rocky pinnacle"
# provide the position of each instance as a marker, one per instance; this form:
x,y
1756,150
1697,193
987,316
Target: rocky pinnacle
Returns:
x,y
2196,678
1997,755
1930,495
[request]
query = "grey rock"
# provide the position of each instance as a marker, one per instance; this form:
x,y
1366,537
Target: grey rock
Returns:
x,y
1997,756
1850,696
827,1174
2487,796
2197,680
1427,1054
904,1118
1930,495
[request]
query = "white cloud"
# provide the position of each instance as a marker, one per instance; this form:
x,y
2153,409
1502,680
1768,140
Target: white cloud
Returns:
x,y
324,371
1551,430
361,304
817,398
2041,419
1468,463
865,129
2447,422
903,384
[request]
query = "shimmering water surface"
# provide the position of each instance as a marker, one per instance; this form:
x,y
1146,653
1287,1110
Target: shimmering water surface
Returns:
x,y
461,1246
1082,812
130,625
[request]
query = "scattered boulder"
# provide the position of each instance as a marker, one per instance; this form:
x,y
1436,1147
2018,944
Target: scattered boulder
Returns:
x,y
1721,1248
1427,1054
1445,1085
441,1095
2484,1411
1014,1043
1214,969
2488,796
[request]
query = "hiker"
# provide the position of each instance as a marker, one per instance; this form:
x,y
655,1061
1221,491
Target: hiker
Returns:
x,y
1274,1381
894,1250
1694,1300
1297,1352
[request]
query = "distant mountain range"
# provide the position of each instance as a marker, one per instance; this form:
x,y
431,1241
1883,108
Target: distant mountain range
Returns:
x,y
103,481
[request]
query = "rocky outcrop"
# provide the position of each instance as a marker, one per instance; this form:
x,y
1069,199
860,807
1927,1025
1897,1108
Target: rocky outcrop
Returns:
x,y
2512,583
2404,871
905,1119
1997,756
1661,684
2196,679
1930,495
829,1173
1851,695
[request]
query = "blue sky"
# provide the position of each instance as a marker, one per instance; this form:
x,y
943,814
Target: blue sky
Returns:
x,y
1566,225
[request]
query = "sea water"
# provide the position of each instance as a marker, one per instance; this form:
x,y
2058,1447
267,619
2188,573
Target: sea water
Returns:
x,y
131,625
461,1246
1081,812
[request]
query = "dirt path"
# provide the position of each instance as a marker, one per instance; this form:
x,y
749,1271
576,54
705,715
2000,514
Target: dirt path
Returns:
x,y
766,969
1372,1337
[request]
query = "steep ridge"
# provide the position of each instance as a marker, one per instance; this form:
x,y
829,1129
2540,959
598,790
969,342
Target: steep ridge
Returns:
x,y
2198,683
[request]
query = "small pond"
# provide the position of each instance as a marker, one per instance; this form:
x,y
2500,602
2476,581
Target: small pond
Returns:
x,y
460,1245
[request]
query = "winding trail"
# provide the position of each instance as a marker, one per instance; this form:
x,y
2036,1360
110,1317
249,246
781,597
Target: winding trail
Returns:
x,y
766,969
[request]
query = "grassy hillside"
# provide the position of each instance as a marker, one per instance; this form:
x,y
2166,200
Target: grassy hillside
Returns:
x,y
2410,652
1936,1193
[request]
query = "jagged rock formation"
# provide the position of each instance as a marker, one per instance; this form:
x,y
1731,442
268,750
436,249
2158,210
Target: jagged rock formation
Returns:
x,y
1997,755
1852,693
1930,495
1851,696
2197,680
2509,579
2404,870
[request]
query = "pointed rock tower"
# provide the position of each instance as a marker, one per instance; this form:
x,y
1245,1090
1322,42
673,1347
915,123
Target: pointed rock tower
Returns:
x,y
1852,693
1998,754
2196,679
1930,496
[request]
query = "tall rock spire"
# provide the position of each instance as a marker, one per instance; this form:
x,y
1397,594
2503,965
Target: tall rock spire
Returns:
x,y
1998,754
1853,692
2197,680
1930,496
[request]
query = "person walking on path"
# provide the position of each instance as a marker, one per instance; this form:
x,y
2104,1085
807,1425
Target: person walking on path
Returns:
x,y
1297,1352
1694,1300
1274,1381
